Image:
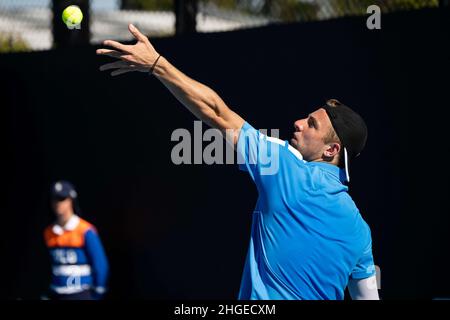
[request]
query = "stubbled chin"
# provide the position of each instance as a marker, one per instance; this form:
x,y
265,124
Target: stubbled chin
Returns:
x,y
293,143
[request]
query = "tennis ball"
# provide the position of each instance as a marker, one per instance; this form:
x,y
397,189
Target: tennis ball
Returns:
x,y
72,16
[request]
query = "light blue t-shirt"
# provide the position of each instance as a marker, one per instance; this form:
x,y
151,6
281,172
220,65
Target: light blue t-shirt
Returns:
x,y
308,237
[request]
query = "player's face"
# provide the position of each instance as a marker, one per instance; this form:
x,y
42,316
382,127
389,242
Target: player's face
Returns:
x,y
62,207
309,134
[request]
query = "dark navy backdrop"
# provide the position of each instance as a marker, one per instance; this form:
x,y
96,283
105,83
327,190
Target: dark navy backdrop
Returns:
x,y
182,231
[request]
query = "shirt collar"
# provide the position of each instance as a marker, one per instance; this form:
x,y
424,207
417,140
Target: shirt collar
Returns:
x,y
70,225
331,168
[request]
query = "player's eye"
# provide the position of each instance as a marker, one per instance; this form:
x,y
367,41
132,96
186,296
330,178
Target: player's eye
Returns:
x,y
310,123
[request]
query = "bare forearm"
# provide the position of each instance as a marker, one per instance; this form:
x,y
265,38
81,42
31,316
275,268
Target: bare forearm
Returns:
x,y
198,98
201,100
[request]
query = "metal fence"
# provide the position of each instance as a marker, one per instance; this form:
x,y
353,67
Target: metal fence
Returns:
x,y
312,10
26,24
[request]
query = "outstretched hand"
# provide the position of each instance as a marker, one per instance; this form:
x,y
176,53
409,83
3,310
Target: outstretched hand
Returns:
x,y
138,57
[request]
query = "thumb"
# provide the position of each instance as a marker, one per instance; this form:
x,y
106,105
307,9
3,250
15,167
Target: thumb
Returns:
x,y
136,33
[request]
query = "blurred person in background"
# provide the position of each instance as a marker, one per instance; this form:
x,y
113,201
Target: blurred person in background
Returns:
x,y
78,260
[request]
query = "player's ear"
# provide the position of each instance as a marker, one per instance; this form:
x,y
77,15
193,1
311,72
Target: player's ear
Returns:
x,y
332,149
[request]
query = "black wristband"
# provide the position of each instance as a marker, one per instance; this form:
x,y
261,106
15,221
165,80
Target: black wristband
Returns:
x,y
154,65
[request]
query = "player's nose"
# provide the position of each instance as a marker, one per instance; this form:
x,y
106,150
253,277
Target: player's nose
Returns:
x,y
298,126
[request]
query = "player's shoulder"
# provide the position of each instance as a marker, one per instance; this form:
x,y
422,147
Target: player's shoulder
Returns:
x,y
366,227
364,230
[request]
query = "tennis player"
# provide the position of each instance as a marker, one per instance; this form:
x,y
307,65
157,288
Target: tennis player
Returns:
x,y
308,238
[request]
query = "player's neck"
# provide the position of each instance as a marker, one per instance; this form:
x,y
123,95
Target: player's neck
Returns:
x,y
332,162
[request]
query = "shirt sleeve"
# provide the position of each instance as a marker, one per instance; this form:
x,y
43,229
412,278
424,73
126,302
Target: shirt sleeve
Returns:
x,y
98,260
365,266
257,153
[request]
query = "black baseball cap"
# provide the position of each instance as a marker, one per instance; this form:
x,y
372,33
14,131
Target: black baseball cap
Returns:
x,y
63,189
350,128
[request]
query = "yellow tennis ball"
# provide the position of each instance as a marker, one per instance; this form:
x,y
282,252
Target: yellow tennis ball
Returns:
x,y
72,15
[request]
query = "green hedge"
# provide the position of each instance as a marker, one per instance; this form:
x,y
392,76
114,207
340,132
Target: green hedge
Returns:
x,y
12,43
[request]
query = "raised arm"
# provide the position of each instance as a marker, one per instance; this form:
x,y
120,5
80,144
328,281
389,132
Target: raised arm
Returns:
x,y
198,98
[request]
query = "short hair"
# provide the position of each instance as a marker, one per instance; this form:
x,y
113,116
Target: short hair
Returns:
x,y
331,136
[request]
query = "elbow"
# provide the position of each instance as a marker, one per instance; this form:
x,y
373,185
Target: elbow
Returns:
x,y
216,106
214,113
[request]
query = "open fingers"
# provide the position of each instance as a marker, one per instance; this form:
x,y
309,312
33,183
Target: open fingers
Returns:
x,y
122,71
110,53
114,65
136,33
116,54
116,45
